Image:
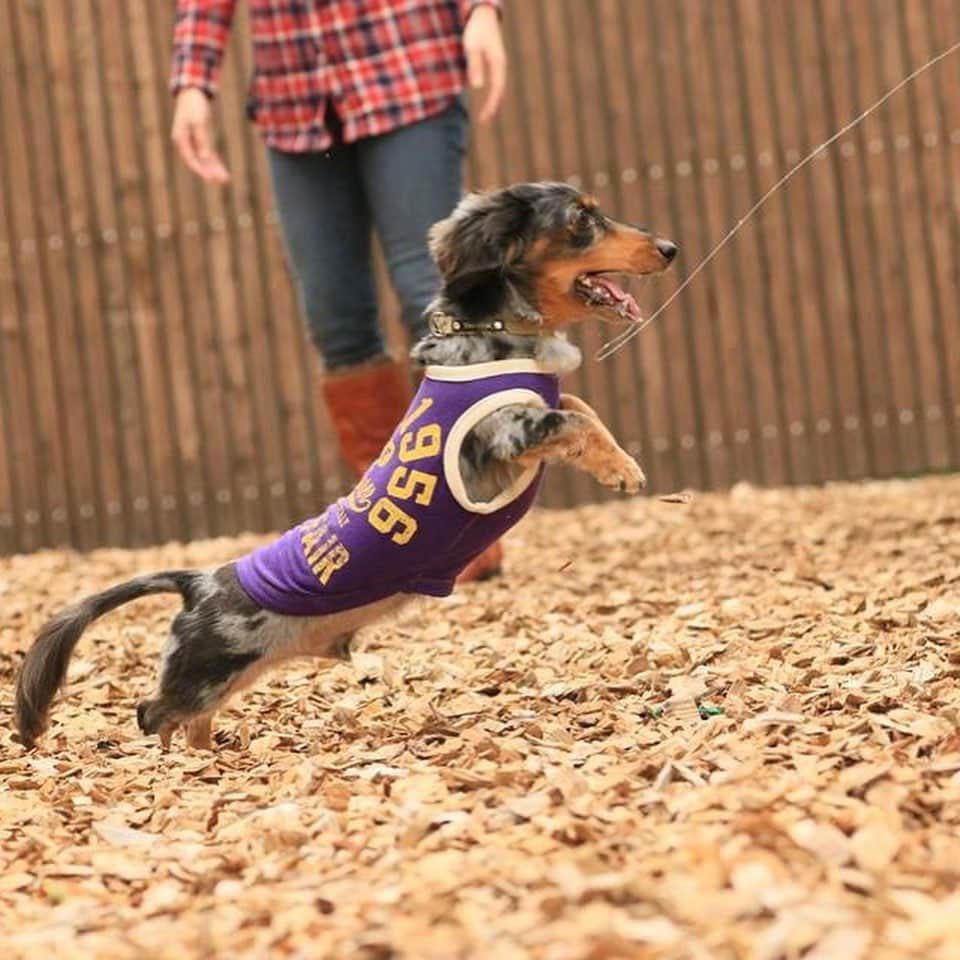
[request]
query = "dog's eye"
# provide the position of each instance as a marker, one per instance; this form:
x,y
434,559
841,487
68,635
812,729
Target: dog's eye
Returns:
x,y
582,226
581,221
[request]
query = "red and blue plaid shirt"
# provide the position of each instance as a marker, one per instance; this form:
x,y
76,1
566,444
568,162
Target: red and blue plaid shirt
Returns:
x,y
381,64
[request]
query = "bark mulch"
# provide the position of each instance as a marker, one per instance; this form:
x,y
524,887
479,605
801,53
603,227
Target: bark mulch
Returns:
x,y
722,729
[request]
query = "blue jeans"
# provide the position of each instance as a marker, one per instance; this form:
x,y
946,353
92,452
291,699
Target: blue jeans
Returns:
x,y
399,184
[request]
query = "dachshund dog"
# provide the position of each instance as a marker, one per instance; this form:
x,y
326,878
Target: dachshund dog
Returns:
x,y
518,266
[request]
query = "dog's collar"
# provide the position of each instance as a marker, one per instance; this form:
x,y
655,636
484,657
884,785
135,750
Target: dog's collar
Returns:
x,y
443,325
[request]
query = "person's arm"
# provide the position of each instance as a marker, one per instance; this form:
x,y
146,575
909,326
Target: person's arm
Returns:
x,y
200,35
483,47
201,30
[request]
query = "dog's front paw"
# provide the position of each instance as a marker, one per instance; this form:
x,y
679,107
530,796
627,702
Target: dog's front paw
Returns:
x,y
622,473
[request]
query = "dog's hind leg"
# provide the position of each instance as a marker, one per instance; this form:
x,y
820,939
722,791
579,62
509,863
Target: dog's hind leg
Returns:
x,y
222,647
193,704
155,716
207,652
199,732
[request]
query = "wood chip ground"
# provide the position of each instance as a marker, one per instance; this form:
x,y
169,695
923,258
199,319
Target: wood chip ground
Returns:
x,y
723,729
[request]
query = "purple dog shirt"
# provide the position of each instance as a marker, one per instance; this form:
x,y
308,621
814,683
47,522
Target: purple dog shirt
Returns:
x,y
408,526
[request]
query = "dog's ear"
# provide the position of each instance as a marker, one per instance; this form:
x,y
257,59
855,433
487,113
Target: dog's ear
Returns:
x,y
479,243
440,242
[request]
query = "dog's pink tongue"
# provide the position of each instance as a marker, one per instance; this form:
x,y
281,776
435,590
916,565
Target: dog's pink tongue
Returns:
x,y
620,295
611,288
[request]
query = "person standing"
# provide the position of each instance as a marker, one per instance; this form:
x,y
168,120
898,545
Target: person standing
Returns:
x,y
360,104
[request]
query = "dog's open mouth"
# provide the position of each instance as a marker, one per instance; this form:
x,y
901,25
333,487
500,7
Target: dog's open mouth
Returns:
x,y
598,290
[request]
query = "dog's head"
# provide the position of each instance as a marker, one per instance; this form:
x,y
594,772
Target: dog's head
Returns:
x,y
540,250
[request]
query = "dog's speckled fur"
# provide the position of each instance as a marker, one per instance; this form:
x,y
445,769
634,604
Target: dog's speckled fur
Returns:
x,y
511,254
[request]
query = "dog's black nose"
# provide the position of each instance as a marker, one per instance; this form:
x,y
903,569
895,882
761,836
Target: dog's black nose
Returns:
x,y
667,249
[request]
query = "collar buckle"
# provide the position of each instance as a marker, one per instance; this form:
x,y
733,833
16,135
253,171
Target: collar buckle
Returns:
x,y
443,325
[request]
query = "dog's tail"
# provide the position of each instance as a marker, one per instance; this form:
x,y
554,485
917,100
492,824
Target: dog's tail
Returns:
x,y
45,666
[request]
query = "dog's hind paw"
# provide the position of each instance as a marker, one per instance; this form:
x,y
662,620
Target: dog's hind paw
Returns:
x,y
199,732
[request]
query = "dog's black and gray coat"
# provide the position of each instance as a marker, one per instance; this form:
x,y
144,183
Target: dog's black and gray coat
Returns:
x,y
518,266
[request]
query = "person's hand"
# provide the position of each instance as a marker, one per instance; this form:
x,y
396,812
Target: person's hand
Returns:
x,y
486,57
192,132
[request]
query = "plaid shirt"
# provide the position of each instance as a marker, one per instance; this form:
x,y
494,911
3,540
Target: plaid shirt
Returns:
x,y
382,64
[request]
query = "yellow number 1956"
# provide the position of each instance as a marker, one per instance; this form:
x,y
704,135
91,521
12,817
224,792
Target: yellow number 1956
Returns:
x,y
407,483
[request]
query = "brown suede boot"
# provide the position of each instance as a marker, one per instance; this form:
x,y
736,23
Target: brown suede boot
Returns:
x,y
365,404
